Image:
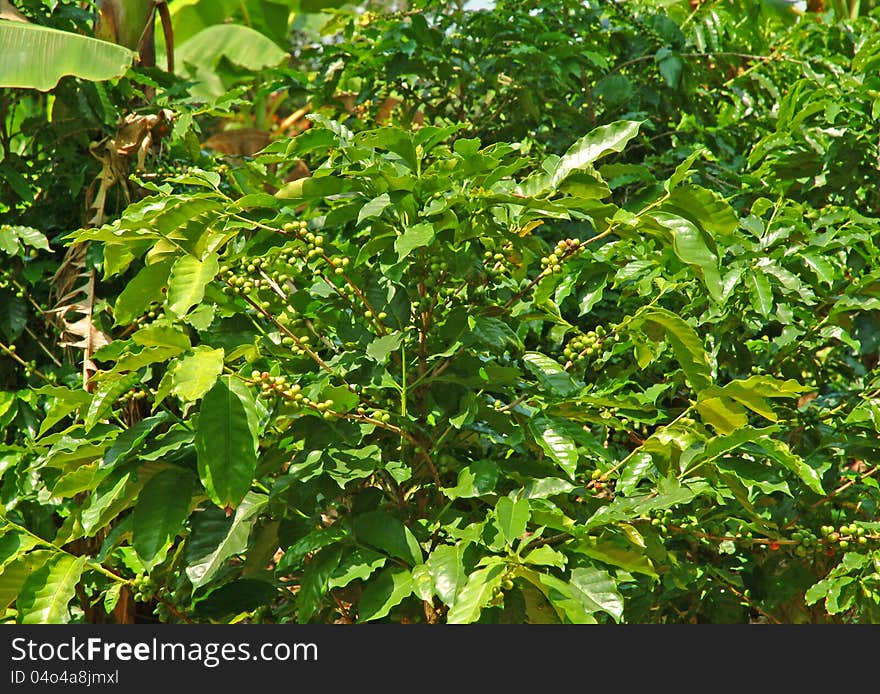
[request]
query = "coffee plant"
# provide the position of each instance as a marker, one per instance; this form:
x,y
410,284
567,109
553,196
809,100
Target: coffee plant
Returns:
x,y
583,329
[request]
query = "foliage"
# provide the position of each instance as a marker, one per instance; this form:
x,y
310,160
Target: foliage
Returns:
x,y
580,328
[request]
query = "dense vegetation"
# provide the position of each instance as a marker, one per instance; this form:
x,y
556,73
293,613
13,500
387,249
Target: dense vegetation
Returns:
x,y
550,312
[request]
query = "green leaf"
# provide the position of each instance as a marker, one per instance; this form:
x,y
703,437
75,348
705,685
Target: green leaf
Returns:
x,y
493,332
106,395
703,207
379,349
754,391
374,208
144,289
721,413
13,318
28,236
36,57
13,545
46,593
782,454
599,588
214,539
446,565
683,339
413,237
132,439
618,552
569,603
511,518
550,374
187,282
226,444
545,555
359,564
238,44
160,514
117,492
823,269
692,248
392,139
314,582
162,335
556,444
476,594
195,374
599,143
235,598
385,532
760,292
17,572
386,591
477,479
684,169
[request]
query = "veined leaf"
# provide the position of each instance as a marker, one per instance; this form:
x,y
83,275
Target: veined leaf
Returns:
x,y
782,454
685,343
195,374
144,289
476,594
189,277
692,248
721,413
160,513
226,445
13,544
760,292
571,605
315,580
359,564
106,395
384,592
374,208
17,572
550,374
413,237
598,143
556,444
215,540
36,57
46,593
383,531
446,565
704,207
392,139
511,517
596,586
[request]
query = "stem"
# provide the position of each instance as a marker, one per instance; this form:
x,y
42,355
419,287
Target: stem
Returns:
x,y
21,361
51,545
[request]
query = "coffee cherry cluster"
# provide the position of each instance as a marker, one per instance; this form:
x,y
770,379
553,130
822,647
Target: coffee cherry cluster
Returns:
x,y
377,414
278,386
312,248
148,317
133,396
600,484
143,588
563,251
298,345
661,519
585,347
498,263
846,536
807,542
7,281
433,276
